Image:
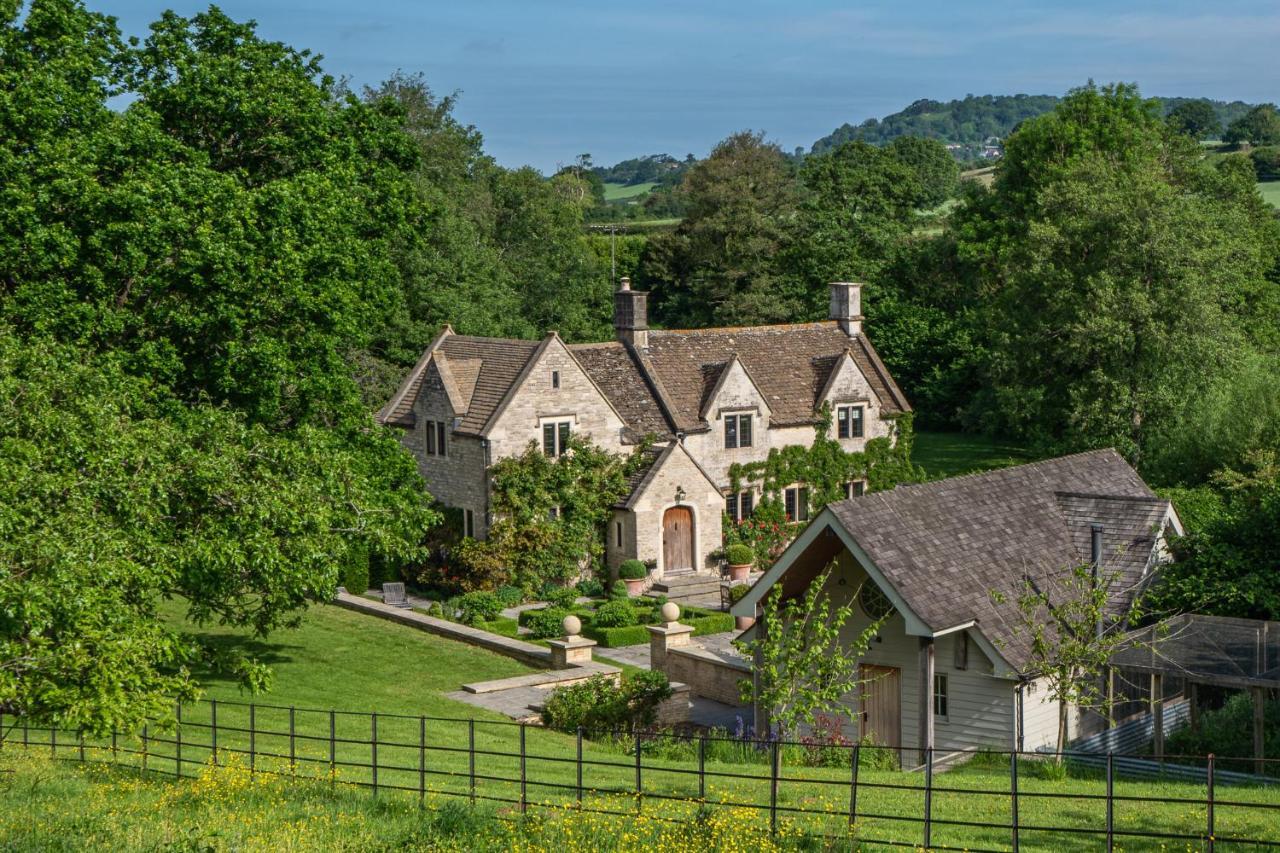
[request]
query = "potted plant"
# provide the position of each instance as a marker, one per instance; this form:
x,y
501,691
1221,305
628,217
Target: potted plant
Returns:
x,y
736,594
740,557
633,573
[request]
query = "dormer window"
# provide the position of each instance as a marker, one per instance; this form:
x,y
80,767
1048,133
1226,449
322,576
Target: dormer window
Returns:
x,y
737,431
796,502
555,379
849,421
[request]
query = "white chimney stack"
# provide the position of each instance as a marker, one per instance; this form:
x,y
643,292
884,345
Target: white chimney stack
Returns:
x,y
846,306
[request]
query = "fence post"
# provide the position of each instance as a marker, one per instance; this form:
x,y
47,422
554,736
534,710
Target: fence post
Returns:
x,y
639,781
115,756
293,755
1,729
81,733
53,740
702,767
422,761
144,747
928,798
1111,780
523,785
471,754
854,759
1013,789
26,734
253,739
775,769
333,763
213,714
579,766
177,739
373,749
1209,802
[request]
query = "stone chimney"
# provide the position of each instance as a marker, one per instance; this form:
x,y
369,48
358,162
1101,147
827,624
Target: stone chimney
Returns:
x,y
846,306
631,315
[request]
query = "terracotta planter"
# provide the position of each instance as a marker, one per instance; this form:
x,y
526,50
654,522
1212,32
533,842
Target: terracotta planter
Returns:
x,y
742,623
635,587
739,572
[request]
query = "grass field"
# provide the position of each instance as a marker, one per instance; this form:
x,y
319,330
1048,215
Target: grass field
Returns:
x,y
1270,192
344,660
948,454
622,192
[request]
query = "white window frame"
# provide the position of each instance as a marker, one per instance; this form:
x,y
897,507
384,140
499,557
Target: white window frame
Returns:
x,y
941,696
849,491
563,429
849,408
794,494
738,418
737,514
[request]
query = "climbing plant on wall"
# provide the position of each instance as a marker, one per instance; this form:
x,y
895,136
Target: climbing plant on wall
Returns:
x,y
825,467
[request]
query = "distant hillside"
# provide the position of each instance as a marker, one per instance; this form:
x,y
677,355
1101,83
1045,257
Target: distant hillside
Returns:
x,y
650,169
971,120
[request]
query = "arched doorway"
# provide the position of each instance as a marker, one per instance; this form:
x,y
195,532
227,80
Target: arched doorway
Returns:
x,y
677,540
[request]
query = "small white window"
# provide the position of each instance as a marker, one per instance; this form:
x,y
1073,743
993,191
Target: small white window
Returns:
x,y
849,421
739,506
553,513
737,431
940,696
440,433
796,500
555,379
855,488
555,437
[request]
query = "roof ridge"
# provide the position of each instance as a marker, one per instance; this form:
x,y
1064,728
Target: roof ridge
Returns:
x,y
1000,471
486,339
1155,499
811,324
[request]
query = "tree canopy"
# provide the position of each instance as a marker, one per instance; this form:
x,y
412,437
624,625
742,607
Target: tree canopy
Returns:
x,y
181,281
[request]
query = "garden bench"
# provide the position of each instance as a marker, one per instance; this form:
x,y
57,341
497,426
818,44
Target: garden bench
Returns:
x,y
393,594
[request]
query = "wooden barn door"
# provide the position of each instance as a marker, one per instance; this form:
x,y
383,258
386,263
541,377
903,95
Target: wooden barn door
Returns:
x,y
677,539
882,705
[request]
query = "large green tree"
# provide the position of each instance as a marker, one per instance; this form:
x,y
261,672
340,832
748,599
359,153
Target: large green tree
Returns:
x,y
1120,277
180,280
937,173
1259,126
1197,119
720,264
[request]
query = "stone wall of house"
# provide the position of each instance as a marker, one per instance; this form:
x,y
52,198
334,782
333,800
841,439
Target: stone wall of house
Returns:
x,y
677,472
457,478
708,674
615,550
738,394
536,401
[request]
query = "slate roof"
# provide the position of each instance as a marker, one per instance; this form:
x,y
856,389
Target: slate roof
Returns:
x,y
945,546
640,476
789,363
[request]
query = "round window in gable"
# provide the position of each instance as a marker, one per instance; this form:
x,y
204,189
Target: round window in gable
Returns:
x,y
874,602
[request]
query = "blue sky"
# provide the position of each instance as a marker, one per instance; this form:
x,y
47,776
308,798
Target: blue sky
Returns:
x,y
545,81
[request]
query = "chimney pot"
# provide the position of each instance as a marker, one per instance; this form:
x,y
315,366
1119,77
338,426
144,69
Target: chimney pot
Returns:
x,y
846,306
624,284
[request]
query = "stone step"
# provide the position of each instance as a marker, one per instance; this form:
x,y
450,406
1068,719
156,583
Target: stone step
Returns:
x,y
686,589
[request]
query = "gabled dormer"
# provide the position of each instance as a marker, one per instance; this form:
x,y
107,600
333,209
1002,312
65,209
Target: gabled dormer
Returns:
x,y
856,409
735,406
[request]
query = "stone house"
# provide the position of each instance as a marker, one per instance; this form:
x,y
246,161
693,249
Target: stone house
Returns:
x,y
709,398
950,668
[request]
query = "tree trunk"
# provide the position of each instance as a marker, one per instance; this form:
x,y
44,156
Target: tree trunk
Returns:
x,y
1062,731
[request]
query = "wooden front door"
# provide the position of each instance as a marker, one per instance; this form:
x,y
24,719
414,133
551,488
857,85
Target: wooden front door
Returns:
x,y
677,539
882,704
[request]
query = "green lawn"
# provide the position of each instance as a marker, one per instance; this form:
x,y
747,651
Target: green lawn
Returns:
x,y
1270,192
948,454
343,660
621,192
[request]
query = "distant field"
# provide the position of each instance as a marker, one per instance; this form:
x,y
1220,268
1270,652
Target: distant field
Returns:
x,y
621,192
985,176
949,454
1270,192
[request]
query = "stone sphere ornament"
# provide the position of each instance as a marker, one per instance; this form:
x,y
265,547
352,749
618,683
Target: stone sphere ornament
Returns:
x,y
572,625
670,612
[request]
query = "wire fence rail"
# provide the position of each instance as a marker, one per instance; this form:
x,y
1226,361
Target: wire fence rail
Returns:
x,y
847,791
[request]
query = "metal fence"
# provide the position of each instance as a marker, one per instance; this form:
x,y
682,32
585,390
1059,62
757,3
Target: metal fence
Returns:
x,y
998,802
